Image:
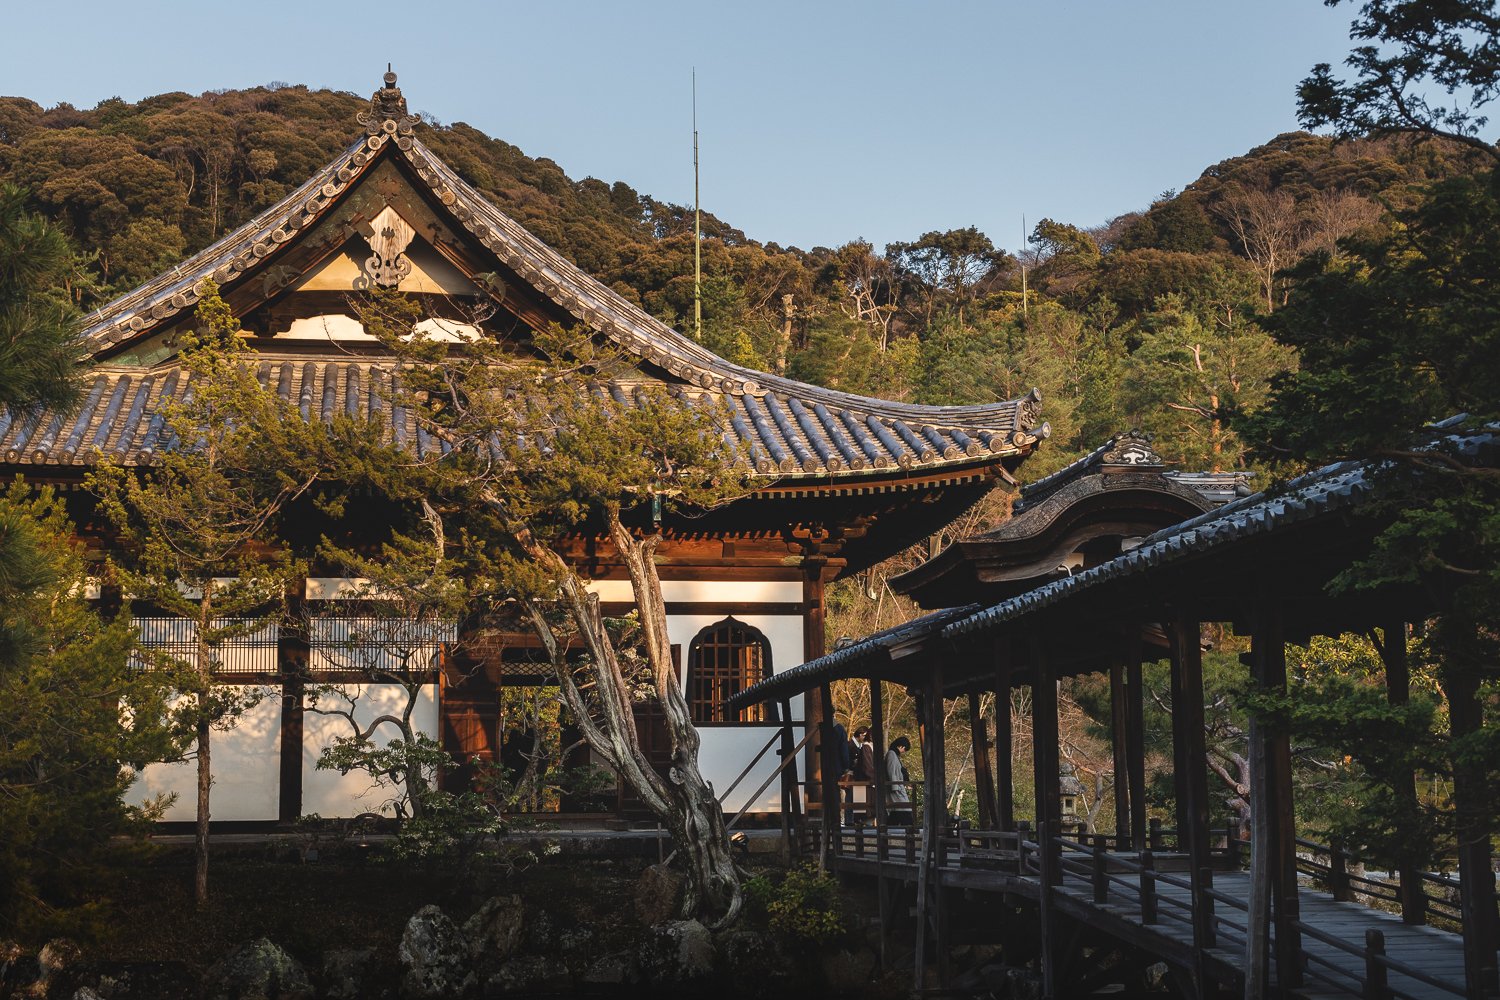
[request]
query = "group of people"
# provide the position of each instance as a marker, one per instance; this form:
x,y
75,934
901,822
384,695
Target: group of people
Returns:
x,y
856,761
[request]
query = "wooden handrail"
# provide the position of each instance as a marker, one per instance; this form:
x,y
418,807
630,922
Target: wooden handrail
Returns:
x,y
775,738
786,761
1384,960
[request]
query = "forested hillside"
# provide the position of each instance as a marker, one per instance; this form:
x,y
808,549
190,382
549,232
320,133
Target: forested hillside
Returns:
x,y
1149,320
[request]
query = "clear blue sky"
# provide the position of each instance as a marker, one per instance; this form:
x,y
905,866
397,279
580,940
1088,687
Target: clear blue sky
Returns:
x,y
820,120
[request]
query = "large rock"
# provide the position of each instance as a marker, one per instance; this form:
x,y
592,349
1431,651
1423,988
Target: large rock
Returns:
x,y
494,931
678,951
347,973
658,895
258,970
435,955
847,972
18,967
529,974
755,962
609,970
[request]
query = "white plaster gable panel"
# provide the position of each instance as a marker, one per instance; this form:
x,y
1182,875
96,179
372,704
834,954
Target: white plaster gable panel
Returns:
x,y
246,771
330,794
708,591
429,274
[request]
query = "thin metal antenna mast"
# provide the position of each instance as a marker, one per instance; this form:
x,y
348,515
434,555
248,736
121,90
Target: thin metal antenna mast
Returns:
x,y
1025,314
697,226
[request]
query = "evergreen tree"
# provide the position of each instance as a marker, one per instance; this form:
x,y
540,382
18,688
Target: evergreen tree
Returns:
x,y
197,528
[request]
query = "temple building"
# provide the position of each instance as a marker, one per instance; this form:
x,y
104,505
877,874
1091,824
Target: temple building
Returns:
x,y
841,481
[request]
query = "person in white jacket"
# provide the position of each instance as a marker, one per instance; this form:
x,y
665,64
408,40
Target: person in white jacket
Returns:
x,y
898,804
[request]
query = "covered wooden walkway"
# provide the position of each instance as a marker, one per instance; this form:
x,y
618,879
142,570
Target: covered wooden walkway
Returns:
x,y
1258,918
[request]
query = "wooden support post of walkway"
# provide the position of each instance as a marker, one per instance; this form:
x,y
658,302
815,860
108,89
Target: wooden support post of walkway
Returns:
x,y
1273,845
1471,806
1188,737
1048,806
828,765
791,799
1005,782
1135,738
984,781
1392,647
1118,740
882,838
934,819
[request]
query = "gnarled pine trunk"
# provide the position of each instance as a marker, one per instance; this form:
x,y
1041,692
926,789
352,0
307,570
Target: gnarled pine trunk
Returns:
x,y
683,801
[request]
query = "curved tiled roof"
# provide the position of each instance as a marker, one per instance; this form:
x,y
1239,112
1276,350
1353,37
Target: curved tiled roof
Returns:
x,y
1321,492
784,436
789,428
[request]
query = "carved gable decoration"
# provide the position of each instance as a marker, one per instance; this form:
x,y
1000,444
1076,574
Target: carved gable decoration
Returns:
x,y
387,115
1132,448
389,237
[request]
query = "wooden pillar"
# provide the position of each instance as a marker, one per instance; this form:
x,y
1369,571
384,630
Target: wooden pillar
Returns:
x,y
882,838
882,777
292,653
1135,737
829,772
791,799
1392,649
1273,845
1048,805
1118,739
984,782
814,707
1188,738
934,815
1005,791
1471,808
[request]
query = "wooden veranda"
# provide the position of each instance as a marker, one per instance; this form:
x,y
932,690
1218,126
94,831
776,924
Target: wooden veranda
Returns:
x,y
1263,917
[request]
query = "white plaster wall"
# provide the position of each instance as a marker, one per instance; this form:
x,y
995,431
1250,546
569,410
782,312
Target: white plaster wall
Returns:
x,y
246,766
726,749
330,794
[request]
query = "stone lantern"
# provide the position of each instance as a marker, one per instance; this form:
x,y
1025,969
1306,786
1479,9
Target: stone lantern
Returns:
x,y
1069,790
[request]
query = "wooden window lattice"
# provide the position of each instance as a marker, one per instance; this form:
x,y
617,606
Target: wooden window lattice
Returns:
x,y
248,654
359,644
727,658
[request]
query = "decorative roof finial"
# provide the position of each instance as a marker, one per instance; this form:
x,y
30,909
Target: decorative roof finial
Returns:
x,y
387,114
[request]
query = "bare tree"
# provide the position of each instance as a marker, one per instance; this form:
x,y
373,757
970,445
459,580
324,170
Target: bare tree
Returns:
x,y
1269,228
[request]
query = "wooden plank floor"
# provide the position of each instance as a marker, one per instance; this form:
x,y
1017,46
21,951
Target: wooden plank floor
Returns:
x,y
1331,971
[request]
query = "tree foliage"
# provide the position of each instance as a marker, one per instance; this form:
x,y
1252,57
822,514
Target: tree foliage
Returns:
x,y
196,528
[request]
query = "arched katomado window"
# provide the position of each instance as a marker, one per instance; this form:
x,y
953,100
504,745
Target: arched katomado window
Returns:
x,y
724,659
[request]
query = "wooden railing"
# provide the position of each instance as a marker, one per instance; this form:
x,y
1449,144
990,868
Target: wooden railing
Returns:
x,y
1341,872
1137,880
